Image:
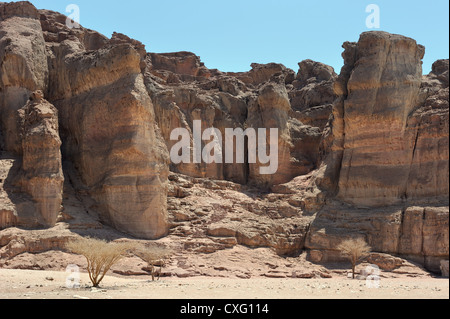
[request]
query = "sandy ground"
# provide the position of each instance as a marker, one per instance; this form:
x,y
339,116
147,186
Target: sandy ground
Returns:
x,y
25,284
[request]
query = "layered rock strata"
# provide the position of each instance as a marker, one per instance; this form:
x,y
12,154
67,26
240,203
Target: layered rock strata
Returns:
x,y
386,151
360,154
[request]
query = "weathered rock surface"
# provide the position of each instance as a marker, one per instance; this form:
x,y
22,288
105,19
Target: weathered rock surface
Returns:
x,y
381,95
183,91
419,234
107,122
444,268
41,174
385,262
106,119
386,151
362,154
215,215
23,65
381,129
197,253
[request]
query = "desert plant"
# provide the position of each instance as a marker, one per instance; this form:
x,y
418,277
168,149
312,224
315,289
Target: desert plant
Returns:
x,y
154,256
100,255
355,250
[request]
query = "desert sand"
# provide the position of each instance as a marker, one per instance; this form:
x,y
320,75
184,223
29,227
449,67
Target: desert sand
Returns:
x,y
26,284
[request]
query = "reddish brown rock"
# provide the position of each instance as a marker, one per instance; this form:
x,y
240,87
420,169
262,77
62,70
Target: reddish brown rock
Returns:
x,y
23,65
179,63
385,262
429,128
55,30
41,174
107,122
232,100
113,141
386,145
381,94
362,154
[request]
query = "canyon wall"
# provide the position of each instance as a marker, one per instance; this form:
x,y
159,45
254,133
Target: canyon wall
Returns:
x,y
105,117
361,154
386,153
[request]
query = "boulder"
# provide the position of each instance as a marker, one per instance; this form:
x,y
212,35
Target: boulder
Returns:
x,y
385,262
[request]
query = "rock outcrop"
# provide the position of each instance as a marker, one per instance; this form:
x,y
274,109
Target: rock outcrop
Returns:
x,y
32,184
184,91
106,119
381,95
23,65
41,174
383,130
108,125
361,154
386,152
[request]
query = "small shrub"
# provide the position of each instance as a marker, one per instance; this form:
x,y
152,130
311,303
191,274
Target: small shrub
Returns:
x,y
355,250
100,255
154,256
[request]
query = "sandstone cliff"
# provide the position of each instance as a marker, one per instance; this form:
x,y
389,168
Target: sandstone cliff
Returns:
x,y
383,154
361,154
41,173
183,91
106,116
23,65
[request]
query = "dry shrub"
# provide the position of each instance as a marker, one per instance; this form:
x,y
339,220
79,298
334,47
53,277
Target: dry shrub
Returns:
x,y
154,256
100,255
355,250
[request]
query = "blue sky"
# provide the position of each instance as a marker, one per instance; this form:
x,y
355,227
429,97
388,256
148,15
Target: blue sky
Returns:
x,y
230,35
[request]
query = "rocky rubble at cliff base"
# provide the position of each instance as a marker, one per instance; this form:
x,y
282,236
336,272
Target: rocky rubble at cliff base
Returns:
x,y
361,154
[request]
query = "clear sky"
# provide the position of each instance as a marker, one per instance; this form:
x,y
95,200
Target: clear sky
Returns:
x,y
231,34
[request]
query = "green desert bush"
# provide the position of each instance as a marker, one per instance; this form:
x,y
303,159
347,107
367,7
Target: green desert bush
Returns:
x,y
100,255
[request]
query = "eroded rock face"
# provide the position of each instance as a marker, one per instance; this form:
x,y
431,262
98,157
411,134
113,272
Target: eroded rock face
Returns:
x,y
383,133
216,215
271,110
381,95
108,124
106,119
386,150
312,95
23,65
41,173
429,128
32,184
183,91
362,154
418,233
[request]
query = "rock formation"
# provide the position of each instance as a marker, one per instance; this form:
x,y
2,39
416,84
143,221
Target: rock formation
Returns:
x,y
23,65
106,116
361,154
386,152
41,174
183,91
33,187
